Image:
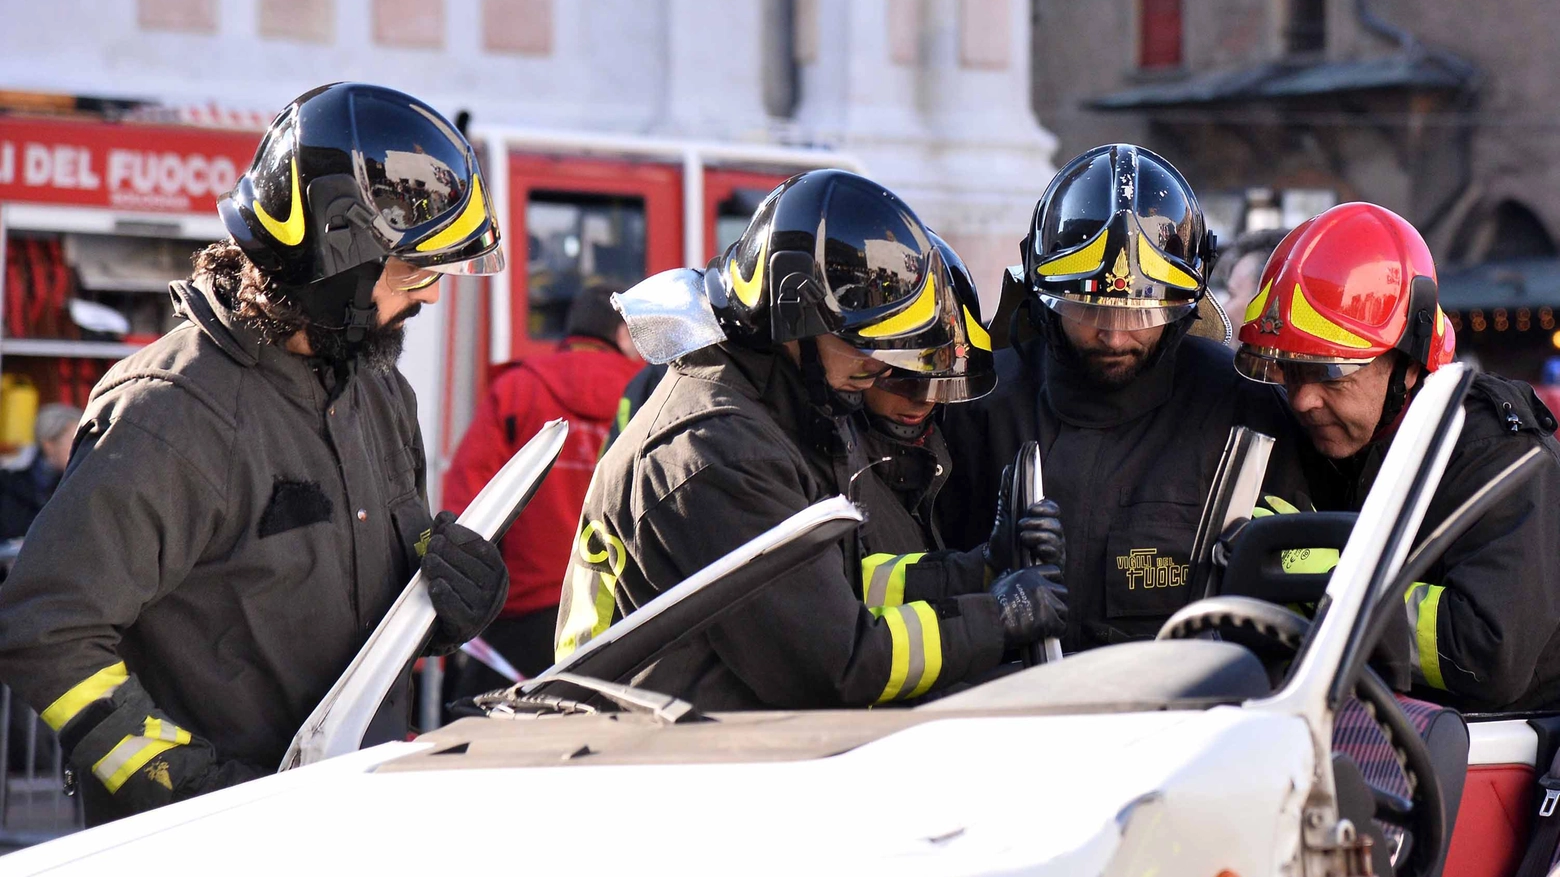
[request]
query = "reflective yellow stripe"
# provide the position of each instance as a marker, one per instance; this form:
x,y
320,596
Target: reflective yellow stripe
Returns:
x,y
133,751
1086,260
916,640
1310,321
1158,268
979,337
469,220
899,665
747,291
625,412
289,231
99,684
1424,603
883,578
917,316
931,642
1254,309
592,599
1281,505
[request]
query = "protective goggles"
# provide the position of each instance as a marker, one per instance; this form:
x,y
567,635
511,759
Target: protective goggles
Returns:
x,y
1117,314
1268,365
950,389
405,277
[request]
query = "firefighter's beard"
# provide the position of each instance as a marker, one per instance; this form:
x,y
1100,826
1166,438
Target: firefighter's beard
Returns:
x,y
1111,368
379,350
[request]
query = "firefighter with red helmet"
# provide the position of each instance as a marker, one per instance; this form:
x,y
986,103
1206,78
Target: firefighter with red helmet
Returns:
x,y
1347,320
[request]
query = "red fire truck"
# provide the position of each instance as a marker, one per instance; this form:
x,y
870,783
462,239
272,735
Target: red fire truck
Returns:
x,y
96,216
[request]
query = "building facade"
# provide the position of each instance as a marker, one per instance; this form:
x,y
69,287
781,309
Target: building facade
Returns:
x,y
1276,109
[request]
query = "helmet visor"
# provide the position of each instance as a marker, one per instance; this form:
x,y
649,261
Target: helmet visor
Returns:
x,y
1118,314
1267,365
962,388
490,262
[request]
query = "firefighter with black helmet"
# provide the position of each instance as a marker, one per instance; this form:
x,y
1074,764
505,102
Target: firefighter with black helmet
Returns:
x,y
1130,405
908,453
246,497
834,285
1347,318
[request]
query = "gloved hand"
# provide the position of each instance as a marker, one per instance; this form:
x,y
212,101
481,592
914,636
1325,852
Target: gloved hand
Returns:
x,y
1297,560
467,582
1032,604
1038,532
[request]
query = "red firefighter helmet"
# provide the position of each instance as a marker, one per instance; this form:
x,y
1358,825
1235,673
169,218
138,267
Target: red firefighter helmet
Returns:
x,y
1340,290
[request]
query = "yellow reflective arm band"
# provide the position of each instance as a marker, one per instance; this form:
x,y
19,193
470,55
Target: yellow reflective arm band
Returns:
x,y
931,641
1424,611
469,220
916,642
883,578
99,684
899,664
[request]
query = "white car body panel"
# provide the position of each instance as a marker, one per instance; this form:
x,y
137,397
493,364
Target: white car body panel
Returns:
x,y
1172,792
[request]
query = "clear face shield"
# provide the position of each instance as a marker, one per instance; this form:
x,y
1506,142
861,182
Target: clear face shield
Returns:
x,y
1271,366
1116,314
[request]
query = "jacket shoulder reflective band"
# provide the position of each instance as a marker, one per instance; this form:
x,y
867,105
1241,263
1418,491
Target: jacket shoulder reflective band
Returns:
x,y
1424,603
883,578
590,597
917,657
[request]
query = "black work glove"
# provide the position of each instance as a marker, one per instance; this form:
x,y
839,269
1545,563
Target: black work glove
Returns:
x,y
1037,533
467,582
1032,604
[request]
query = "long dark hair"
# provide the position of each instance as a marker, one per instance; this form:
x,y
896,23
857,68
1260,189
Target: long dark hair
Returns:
x,y
249,291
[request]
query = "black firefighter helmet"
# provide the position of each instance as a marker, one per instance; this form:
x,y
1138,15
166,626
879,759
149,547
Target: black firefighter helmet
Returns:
x,y
1118,241
832,253
347,176
967,370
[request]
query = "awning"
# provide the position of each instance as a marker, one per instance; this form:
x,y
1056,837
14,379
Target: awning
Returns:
x,y
128,264
1423,69
1509,283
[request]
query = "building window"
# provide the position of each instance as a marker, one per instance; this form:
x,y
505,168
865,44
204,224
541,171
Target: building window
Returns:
x,y
409,24
187,16
1159,34
1307,30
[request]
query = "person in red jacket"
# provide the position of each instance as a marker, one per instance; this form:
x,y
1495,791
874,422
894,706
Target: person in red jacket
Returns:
x,y
581,382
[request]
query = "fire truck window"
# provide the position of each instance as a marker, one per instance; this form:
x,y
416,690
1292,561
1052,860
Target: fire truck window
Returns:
x,y
733,214
576,240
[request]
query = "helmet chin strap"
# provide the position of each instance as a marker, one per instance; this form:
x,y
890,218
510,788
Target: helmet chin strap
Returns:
x,y
829,407
1397,398
343,302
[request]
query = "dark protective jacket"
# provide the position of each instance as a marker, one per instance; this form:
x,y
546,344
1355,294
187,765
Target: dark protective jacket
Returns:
x,y
1130,469
1486,618
718,456
223,542
579,382
913,470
